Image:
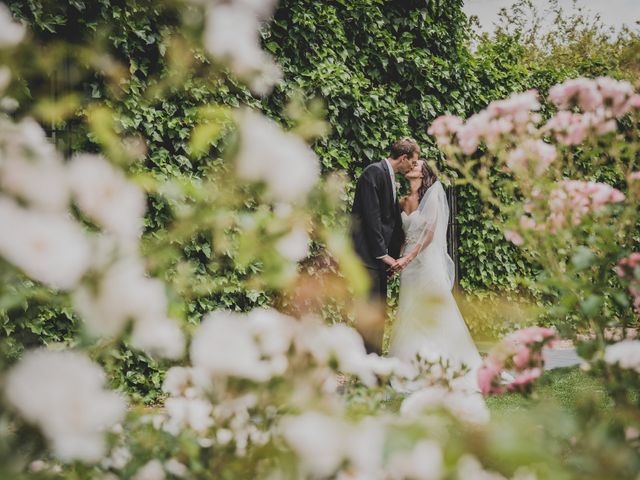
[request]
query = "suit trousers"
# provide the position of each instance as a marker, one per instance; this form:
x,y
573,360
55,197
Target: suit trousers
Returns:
x,y
378,289
378,297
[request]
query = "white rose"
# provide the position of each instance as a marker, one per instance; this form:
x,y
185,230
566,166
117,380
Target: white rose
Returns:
x,y
50,248
423,462
365,447
30,167
232,35
176,381
273,330
106,196
625,353
343,344
152,470
295,245
62,393
161,336
11,32
174,467
224,345
469,407
193,413
282,160
123,293
470,467
224,436
318,440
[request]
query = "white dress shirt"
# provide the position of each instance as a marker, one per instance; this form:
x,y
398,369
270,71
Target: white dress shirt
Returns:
x,y
393,185
392,175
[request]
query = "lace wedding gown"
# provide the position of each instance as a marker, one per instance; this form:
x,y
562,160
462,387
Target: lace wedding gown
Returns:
x,y
429,320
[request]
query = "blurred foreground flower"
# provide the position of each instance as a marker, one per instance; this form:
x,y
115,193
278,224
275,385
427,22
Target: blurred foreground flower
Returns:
x,y
11,32
281,160
48,247
62,393
232,36
43,236
519,353
627,269
465,406
625,354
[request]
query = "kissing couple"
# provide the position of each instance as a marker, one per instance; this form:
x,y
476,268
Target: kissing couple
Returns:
x,y
408,235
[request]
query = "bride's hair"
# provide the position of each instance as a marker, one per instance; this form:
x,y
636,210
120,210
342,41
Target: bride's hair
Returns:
x,y
428,178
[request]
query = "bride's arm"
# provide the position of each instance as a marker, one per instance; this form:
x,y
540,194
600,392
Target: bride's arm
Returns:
x,y
404,242
426,239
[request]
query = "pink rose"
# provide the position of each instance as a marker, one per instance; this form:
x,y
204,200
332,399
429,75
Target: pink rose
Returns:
x,y
531,335
487,376
524,379
522,358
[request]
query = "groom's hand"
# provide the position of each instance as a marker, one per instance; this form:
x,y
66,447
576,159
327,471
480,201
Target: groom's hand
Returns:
x,y
391,262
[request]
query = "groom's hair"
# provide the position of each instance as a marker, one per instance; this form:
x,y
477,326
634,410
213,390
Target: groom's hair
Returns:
x,y
404,146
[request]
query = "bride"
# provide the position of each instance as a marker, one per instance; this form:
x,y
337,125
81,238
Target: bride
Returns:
x,y
428,319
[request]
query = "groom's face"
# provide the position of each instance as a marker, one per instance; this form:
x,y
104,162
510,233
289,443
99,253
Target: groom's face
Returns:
x,y
408,162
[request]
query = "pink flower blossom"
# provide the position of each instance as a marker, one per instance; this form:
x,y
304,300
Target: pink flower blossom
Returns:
x,y
528,207
532,334
519,352
601,101
607,97
522,357
573,199
444,128
569,128
469,134
616,95
488,379
499,119
524,379
516,105
573,128
532,155
514,237
581,92
527,223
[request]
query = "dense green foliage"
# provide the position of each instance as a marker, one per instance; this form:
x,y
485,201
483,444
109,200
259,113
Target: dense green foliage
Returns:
x,y
382,70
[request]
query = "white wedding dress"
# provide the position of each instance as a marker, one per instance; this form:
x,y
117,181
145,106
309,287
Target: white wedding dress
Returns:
x,y
428,319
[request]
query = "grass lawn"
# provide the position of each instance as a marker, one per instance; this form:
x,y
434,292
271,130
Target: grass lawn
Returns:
x,y
563,385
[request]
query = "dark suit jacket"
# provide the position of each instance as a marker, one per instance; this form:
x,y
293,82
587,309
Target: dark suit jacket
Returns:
x,y
376,226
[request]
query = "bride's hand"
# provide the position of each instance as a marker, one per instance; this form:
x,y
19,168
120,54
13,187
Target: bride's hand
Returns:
x,y
403,262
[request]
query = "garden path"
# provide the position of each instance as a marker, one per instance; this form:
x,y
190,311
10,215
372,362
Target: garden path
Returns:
x,y
560,357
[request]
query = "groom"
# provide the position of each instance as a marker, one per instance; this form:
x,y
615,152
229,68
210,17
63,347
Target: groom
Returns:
x,y
377,226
